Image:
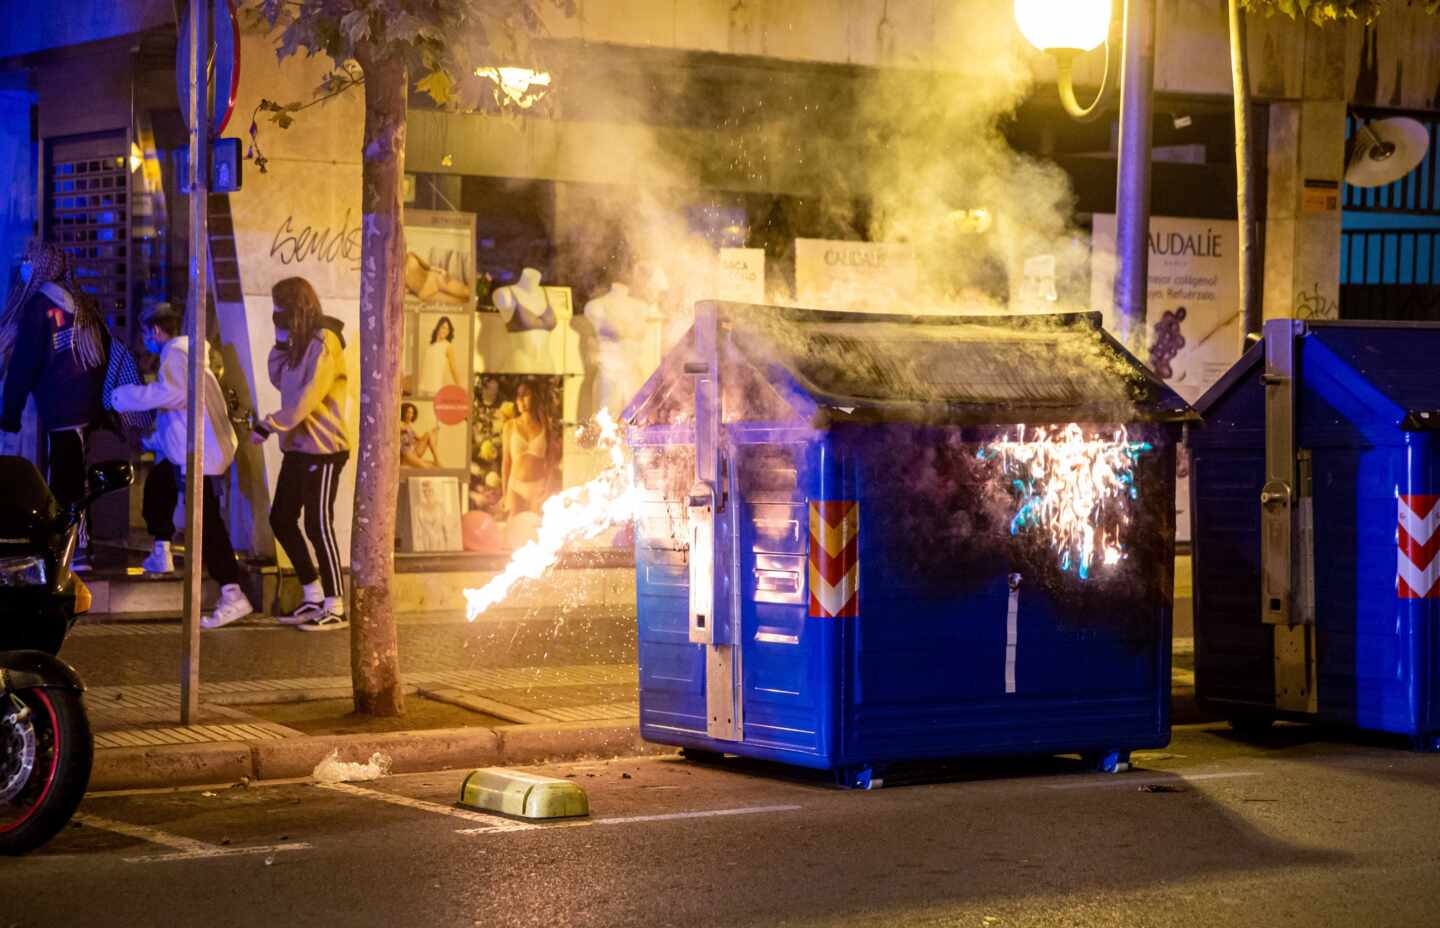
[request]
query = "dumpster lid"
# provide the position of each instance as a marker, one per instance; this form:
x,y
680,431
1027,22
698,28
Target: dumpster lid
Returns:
x,y
1394,360
937,369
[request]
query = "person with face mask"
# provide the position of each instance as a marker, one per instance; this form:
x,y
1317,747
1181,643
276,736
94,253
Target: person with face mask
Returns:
x,y
307,366
54,346
168,396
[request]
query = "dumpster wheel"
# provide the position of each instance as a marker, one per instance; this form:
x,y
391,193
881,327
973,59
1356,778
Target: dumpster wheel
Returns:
x,y
859,778
1108,761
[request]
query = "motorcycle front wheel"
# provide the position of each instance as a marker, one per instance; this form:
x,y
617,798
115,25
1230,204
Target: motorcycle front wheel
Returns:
x,y
45,757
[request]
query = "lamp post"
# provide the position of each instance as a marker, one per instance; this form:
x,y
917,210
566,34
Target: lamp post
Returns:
x,y
1065,29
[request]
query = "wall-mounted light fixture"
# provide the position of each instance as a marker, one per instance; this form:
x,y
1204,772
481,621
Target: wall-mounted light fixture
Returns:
x,y
1066,29
521,87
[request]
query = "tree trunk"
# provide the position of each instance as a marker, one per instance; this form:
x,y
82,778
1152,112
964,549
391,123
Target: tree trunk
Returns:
x,y
374,650
1251,308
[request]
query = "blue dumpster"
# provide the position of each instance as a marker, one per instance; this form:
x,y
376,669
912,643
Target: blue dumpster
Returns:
x,y
1314,492
842,562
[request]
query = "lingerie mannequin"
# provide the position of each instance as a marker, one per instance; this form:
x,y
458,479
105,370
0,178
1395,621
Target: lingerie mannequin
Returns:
x,y
529,319
622,326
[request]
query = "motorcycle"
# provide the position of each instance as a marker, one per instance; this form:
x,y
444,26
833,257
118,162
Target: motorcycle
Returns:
x,y
45,742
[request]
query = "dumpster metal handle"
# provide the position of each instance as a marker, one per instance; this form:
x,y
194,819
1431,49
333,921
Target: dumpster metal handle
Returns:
x,y
1275,495
1012,631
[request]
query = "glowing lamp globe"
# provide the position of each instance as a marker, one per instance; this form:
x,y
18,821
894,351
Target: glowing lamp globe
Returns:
x,y
1080,25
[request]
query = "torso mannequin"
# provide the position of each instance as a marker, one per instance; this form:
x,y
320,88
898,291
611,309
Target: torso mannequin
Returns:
x,y
622,326
525,310
523,305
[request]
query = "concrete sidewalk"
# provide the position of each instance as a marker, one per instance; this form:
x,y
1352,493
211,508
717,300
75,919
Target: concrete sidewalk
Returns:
x,y
520,685
494,714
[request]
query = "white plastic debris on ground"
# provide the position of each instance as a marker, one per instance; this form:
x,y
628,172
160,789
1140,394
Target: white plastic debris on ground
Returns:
x,y
334,770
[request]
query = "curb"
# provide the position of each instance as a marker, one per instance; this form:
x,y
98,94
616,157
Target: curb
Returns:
x,y
409,752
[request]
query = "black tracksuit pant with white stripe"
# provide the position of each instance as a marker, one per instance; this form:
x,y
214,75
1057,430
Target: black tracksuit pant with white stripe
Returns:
x,y
307,487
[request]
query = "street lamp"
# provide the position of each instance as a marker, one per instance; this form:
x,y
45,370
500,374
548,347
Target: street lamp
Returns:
x,y
1066,28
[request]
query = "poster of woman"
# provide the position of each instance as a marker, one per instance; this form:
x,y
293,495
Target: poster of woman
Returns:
x,y
443,352
426,443
517,442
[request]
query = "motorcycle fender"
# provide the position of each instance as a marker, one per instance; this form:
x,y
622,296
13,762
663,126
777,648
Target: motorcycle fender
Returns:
x,y
24,670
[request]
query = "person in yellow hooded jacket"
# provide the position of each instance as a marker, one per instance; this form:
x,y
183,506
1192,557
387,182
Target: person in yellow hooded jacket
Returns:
x,y
307,366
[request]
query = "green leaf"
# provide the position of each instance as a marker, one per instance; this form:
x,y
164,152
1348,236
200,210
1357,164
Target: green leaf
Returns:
x,y
438,84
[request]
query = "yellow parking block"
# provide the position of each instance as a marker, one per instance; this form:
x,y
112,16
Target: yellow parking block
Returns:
x,y
523,795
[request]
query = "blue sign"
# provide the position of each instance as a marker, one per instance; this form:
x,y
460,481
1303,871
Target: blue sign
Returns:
x,y
224,63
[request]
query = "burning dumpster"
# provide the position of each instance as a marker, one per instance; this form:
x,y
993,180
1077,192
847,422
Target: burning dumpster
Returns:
x,y
864,539
1315,483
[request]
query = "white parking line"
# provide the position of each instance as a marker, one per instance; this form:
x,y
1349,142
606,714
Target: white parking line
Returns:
x,y
634,819
1129,779
493,823
213,851
709,813
183,848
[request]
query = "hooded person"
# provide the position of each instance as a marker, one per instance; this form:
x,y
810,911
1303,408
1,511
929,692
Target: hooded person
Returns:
x,y
307,366
54,348
168,396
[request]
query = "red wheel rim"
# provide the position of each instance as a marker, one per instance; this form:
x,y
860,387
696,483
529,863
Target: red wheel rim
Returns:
x,y
51,775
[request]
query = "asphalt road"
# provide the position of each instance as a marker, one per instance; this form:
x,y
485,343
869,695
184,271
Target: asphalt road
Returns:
x,y
1308,829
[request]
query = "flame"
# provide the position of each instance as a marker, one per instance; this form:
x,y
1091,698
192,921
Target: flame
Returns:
x,y
577,513
1073,487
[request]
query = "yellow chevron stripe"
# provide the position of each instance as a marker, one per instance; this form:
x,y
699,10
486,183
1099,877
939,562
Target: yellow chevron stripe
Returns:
x,y
834,538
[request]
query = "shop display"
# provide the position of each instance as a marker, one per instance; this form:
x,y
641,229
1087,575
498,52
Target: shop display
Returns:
x,y
429,443
443,357
523,346
440,263
627,332
741,275
517,441
858,276
434,513
438,357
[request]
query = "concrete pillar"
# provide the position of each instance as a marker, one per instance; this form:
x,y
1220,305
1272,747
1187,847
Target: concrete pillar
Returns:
x,y
1306,163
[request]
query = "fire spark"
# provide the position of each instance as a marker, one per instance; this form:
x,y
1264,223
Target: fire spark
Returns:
x,y
1074,488
578,513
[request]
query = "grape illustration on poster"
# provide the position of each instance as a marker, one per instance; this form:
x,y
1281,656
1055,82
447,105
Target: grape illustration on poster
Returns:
x,y
1193,308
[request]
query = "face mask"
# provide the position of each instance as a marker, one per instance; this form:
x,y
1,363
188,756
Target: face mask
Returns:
x,y
152,344
27,271
282,337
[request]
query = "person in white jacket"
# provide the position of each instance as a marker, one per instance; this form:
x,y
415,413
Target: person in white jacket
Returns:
x,y
168,396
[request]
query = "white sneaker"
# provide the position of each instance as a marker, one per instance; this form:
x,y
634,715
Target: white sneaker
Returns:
x,y
305,612
232,606
160,561
332,618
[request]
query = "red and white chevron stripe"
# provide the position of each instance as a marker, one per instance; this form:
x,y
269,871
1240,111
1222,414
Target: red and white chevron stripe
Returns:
x,y
1419,567
834,559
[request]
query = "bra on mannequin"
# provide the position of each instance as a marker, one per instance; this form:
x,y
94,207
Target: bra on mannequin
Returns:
x,y
525,305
